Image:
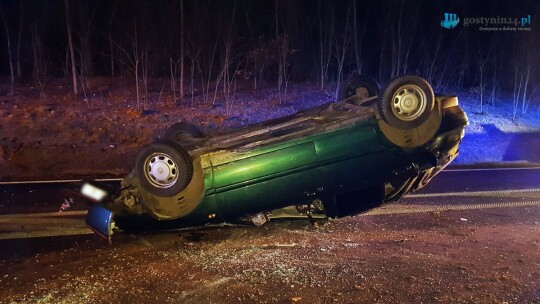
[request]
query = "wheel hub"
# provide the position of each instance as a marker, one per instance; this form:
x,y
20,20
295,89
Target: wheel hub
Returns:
x,y
409,102
361,92
161,170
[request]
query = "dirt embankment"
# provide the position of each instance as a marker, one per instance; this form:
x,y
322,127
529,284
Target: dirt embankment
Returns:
x,y
56,135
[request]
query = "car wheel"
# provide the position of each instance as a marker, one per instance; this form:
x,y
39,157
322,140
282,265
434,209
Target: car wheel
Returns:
x,y
361,85
164,168
182,132
406,102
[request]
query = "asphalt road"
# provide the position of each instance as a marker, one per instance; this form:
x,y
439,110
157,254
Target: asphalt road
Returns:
x,y
461,180
41,196
32,209
468,237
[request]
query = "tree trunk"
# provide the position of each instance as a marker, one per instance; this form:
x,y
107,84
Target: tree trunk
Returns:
x,y
172,69
525,89
279,46
8,40
341,52
356,46
181,90
111,45
137,84
321,47
192,82
18,52
71,52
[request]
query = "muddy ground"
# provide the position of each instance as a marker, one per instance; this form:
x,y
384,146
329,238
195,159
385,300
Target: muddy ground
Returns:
x,y
478,256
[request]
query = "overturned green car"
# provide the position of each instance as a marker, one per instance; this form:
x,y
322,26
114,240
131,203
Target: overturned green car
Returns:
x,y
335,160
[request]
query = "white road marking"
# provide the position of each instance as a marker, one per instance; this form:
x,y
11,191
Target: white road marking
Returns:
x,y
59,181
56,224
405,209
120,179
51,224
45,233
490,169
475,193
45,214
46,224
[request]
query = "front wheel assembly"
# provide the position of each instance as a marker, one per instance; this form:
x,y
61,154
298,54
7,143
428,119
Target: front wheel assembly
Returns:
x,y
164,168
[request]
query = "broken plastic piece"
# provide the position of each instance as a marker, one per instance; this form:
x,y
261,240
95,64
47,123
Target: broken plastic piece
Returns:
x,y
259,219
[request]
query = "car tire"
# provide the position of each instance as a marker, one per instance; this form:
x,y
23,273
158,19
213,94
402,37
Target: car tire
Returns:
x,y
406,102
164,168
182,132
354,82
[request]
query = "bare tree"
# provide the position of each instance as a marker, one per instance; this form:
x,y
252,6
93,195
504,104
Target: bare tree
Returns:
x,y
228,76
357,40
228,66
182,51
280,61
144,76
8,42
524,89
193,54
209,69
19,38
325,46
397,44
494,82
111,43
518,86
39,68
401,43
283,63
71,51
134,60
431,48
341,47
282,51
483,59
526,72
253,54
85,52
173,69
525,66
203,42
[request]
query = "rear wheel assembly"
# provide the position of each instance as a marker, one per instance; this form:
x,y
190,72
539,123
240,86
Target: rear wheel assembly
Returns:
x,y
409,114
183,132
360,85
407,102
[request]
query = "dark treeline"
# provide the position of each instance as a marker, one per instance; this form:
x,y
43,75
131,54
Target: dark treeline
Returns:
x,y
209,43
